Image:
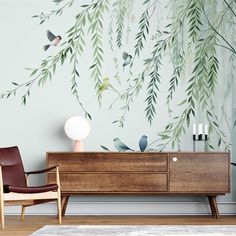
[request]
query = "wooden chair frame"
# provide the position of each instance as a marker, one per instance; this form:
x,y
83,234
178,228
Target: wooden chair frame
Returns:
x,y
29,199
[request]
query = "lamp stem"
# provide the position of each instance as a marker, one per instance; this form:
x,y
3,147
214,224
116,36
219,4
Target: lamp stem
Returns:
x,y
78,146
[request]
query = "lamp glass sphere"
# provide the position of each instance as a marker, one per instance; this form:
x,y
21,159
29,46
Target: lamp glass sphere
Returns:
x,y
77,129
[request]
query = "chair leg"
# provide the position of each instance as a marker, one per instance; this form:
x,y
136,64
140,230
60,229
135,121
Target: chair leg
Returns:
x,y
2,212
58,195
59,208
1,199
22,213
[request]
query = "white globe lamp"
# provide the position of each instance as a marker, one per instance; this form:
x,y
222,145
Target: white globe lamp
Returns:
x,y
77,129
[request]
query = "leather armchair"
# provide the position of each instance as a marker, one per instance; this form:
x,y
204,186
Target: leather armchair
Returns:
x,y
14,189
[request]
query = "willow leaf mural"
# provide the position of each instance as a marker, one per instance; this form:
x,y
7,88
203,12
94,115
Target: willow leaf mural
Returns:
x,y
197,39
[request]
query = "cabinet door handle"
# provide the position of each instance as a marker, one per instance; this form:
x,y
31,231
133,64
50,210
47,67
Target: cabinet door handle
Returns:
x,y
175,159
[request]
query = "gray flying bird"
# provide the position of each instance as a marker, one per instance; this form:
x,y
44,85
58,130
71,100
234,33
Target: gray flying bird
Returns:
x,y
127,59
53,38
143,143
120,146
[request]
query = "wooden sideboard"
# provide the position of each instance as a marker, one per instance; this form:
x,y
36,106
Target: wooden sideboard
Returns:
x,y
151,173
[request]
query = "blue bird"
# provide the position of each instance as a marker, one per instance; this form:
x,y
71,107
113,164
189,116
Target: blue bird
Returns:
x,y
143,143
127,59
120,146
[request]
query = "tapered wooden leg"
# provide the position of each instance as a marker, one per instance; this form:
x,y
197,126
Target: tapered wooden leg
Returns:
x,y
58,195
214,207
2,212
1,199
22,213
64,201
59,209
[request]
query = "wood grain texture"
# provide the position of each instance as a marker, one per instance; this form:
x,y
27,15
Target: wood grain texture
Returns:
x,y
153,173
112,161
142,172
213,206
110,182
205,172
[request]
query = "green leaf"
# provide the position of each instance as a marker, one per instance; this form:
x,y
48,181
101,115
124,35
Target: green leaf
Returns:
x,y
87,115
54,68
183,102
168,25
105,148
34,72
92,66
219,142
23,100
164,136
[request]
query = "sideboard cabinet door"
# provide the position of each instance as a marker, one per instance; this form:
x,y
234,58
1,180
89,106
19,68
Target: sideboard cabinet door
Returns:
x,y
199,172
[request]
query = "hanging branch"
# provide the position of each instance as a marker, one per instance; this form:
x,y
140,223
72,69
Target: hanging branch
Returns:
x,y
231,9
45,16
121,11
72,49
144,27
230,47
96,31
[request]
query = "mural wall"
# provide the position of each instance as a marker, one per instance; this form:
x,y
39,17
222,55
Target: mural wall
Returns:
x,y
142,73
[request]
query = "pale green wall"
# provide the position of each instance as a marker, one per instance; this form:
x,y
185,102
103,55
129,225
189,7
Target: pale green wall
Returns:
x,y
38,127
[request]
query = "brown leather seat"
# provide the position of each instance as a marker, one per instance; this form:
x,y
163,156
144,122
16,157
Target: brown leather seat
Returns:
x,y
13,184
35,189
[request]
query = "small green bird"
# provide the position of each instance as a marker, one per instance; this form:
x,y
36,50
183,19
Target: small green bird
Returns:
x,y
120,146
105,84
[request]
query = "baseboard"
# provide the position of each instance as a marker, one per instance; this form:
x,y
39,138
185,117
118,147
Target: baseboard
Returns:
x,y
127,208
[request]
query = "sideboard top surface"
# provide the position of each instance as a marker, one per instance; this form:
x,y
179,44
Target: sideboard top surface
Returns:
x,y
167,152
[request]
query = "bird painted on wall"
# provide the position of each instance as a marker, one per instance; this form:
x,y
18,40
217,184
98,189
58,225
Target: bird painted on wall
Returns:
x,y
55,40
105,84
127,59
143,143
120,146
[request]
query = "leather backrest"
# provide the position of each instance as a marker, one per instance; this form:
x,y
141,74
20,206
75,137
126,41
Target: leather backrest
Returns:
x,y
12,170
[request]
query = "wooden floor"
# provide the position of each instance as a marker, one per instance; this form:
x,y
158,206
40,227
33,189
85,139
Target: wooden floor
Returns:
x,y
15,227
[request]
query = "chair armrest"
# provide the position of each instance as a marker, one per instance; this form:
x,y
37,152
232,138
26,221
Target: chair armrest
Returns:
x,y
6,165
41,171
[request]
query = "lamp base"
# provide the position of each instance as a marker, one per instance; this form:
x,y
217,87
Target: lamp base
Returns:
x,y
78,146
